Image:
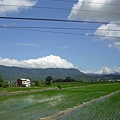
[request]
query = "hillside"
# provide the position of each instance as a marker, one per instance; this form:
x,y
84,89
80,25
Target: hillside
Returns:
x,y
13,73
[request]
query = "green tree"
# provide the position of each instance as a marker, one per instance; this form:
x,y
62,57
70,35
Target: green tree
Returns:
x,y
69,79
48,80
36,83
2,81
5,84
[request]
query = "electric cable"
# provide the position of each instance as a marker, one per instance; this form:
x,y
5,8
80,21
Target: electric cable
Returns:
x,y
69,33
56,20
58,28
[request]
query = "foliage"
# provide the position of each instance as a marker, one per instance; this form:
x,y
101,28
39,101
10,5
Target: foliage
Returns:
x,y
48,80
3,83
36,83
67,79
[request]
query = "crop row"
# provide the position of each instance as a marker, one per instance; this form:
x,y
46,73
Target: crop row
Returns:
x,y
105,109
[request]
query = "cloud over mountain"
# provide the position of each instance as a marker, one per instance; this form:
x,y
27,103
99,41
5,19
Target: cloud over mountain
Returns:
x,y
52,62
44,62
9,6
106,70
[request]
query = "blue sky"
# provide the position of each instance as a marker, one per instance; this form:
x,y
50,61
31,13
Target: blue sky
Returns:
x,y
35,48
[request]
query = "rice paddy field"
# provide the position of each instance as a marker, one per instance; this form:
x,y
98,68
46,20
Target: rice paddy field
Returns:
x,y
49,101
104,109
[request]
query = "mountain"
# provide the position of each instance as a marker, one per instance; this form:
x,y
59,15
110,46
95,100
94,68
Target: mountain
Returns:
x,y
13,73
105,77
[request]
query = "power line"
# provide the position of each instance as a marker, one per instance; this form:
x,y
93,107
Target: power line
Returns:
x,y
58,28
67,33
57,8
54,20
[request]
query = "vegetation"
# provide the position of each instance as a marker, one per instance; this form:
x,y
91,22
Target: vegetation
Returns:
x,y
50,96
13,73
40,104
67,79
48,80
105,109
3,83
35,83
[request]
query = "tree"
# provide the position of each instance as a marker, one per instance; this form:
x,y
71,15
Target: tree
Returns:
x,y
2,81
48,80
36,83
5,84
69,79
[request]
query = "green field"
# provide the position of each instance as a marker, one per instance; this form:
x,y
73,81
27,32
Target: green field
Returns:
x,y
104,109
35,105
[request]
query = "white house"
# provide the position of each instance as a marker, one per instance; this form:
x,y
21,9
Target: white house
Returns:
x,y
23,82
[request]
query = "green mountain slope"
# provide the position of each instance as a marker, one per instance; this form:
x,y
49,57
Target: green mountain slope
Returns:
x,y
13,73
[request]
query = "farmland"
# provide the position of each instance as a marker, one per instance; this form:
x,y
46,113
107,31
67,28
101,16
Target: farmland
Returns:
x,y
48,101
103,109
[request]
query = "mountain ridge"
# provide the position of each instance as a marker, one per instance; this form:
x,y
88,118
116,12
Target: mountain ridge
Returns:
x,y
13,73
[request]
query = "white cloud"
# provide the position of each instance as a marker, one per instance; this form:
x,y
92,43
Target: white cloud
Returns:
x,y
112,33
84,10
44,62
104,70
9,6
102,11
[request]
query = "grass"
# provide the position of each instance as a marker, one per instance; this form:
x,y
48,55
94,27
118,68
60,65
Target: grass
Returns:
x,y
36,105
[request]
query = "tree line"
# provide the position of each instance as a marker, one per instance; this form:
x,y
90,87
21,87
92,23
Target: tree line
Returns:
x,y
47,82
3,83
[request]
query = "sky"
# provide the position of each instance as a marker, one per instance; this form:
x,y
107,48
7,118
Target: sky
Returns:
x,y
90,43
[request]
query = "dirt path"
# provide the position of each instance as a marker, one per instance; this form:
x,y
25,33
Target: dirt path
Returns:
x,y
68,110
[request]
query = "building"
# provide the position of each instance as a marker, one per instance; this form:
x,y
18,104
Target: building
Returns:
x,y
22,82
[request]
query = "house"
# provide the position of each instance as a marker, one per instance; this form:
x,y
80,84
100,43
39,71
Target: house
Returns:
x,y
22,82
